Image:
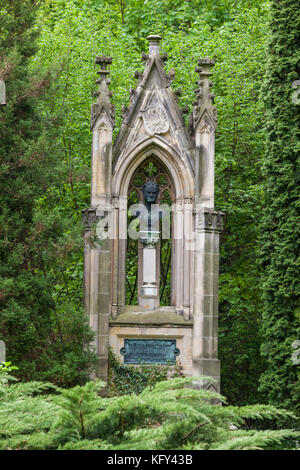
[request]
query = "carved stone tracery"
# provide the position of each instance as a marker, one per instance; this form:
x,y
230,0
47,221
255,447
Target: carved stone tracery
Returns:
x,y
151,170
155,117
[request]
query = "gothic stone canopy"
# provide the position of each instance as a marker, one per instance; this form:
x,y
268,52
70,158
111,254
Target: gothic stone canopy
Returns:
x,y
153,129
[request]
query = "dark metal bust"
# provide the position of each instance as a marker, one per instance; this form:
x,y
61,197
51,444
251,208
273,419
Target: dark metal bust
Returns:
x,y
150,192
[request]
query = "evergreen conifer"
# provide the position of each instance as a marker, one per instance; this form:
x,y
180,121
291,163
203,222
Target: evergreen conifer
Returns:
x,y
31,323
280,227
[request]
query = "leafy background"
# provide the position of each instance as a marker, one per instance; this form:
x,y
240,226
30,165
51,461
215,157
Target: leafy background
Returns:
x,y
69,34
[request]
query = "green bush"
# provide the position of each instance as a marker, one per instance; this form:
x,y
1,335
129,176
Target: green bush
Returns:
x,y
169,415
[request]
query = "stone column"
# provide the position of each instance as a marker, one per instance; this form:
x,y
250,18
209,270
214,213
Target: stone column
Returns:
x,y
208,224
122,234
104,307
187,257
205,302
91,273
97,286
178,255
115,257
98,243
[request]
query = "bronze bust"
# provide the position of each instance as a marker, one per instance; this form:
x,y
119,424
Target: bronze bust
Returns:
x,y
150,193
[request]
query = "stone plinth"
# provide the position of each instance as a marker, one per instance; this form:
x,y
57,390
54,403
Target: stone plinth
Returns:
x,y
162,323
149,297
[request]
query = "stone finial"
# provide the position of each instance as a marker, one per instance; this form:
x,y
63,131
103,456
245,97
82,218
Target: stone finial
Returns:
x,y
154,40
103,94
204,97
103,61
204,70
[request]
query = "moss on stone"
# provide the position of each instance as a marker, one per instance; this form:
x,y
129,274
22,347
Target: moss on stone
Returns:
x,y
161,316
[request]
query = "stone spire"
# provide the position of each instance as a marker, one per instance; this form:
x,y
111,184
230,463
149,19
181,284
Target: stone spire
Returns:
x,y
203,123
204,97
103,94
102,124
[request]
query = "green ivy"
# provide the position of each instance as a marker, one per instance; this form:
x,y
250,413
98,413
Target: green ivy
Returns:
x,y
279,222
134,379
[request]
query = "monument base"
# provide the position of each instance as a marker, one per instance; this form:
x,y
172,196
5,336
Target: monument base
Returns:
x,y
161,324
149,300
208,368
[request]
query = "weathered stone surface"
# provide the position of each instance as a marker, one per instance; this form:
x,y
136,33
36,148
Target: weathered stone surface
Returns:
x,y
134,315
89,217
2,352
2,93
155,118
209,219
182,335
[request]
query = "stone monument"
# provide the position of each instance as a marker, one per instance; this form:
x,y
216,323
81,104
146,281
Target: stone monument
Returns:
x,y
153,134
2,351
2,93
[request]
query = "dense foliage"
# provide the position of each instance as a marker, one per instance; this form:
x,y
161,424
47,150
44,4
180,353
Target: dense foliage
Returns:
x,y
47,51
73,32
279,253
36,239
37,415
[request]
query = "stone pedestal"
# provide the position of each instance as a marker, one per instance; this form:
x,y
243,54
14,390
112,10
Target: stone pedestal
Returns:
x,y
162,323
149,296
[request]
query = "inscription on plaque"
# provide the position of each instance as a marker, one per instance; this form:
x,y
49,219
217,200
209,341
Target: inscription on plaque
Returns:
x,y
149,351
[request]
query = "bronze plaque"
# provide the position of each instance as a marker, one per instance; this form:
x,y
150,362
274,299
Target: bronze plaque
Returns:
x,y
149,351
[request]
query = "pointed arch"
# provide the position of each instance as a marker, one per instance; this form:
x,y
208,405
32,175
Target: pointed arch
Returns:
x,y
181,174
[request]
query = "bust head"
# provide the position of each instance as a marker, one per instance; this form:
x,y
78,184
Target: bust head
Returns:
x,y
150,192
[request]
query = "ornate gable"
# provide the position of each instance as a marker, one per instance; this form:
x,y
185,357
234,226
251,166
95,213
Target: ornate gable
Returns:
x,y
153,111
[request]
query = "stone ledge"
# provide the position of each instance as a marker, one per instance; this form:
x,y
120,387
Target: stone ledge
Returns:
x,y
134,315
